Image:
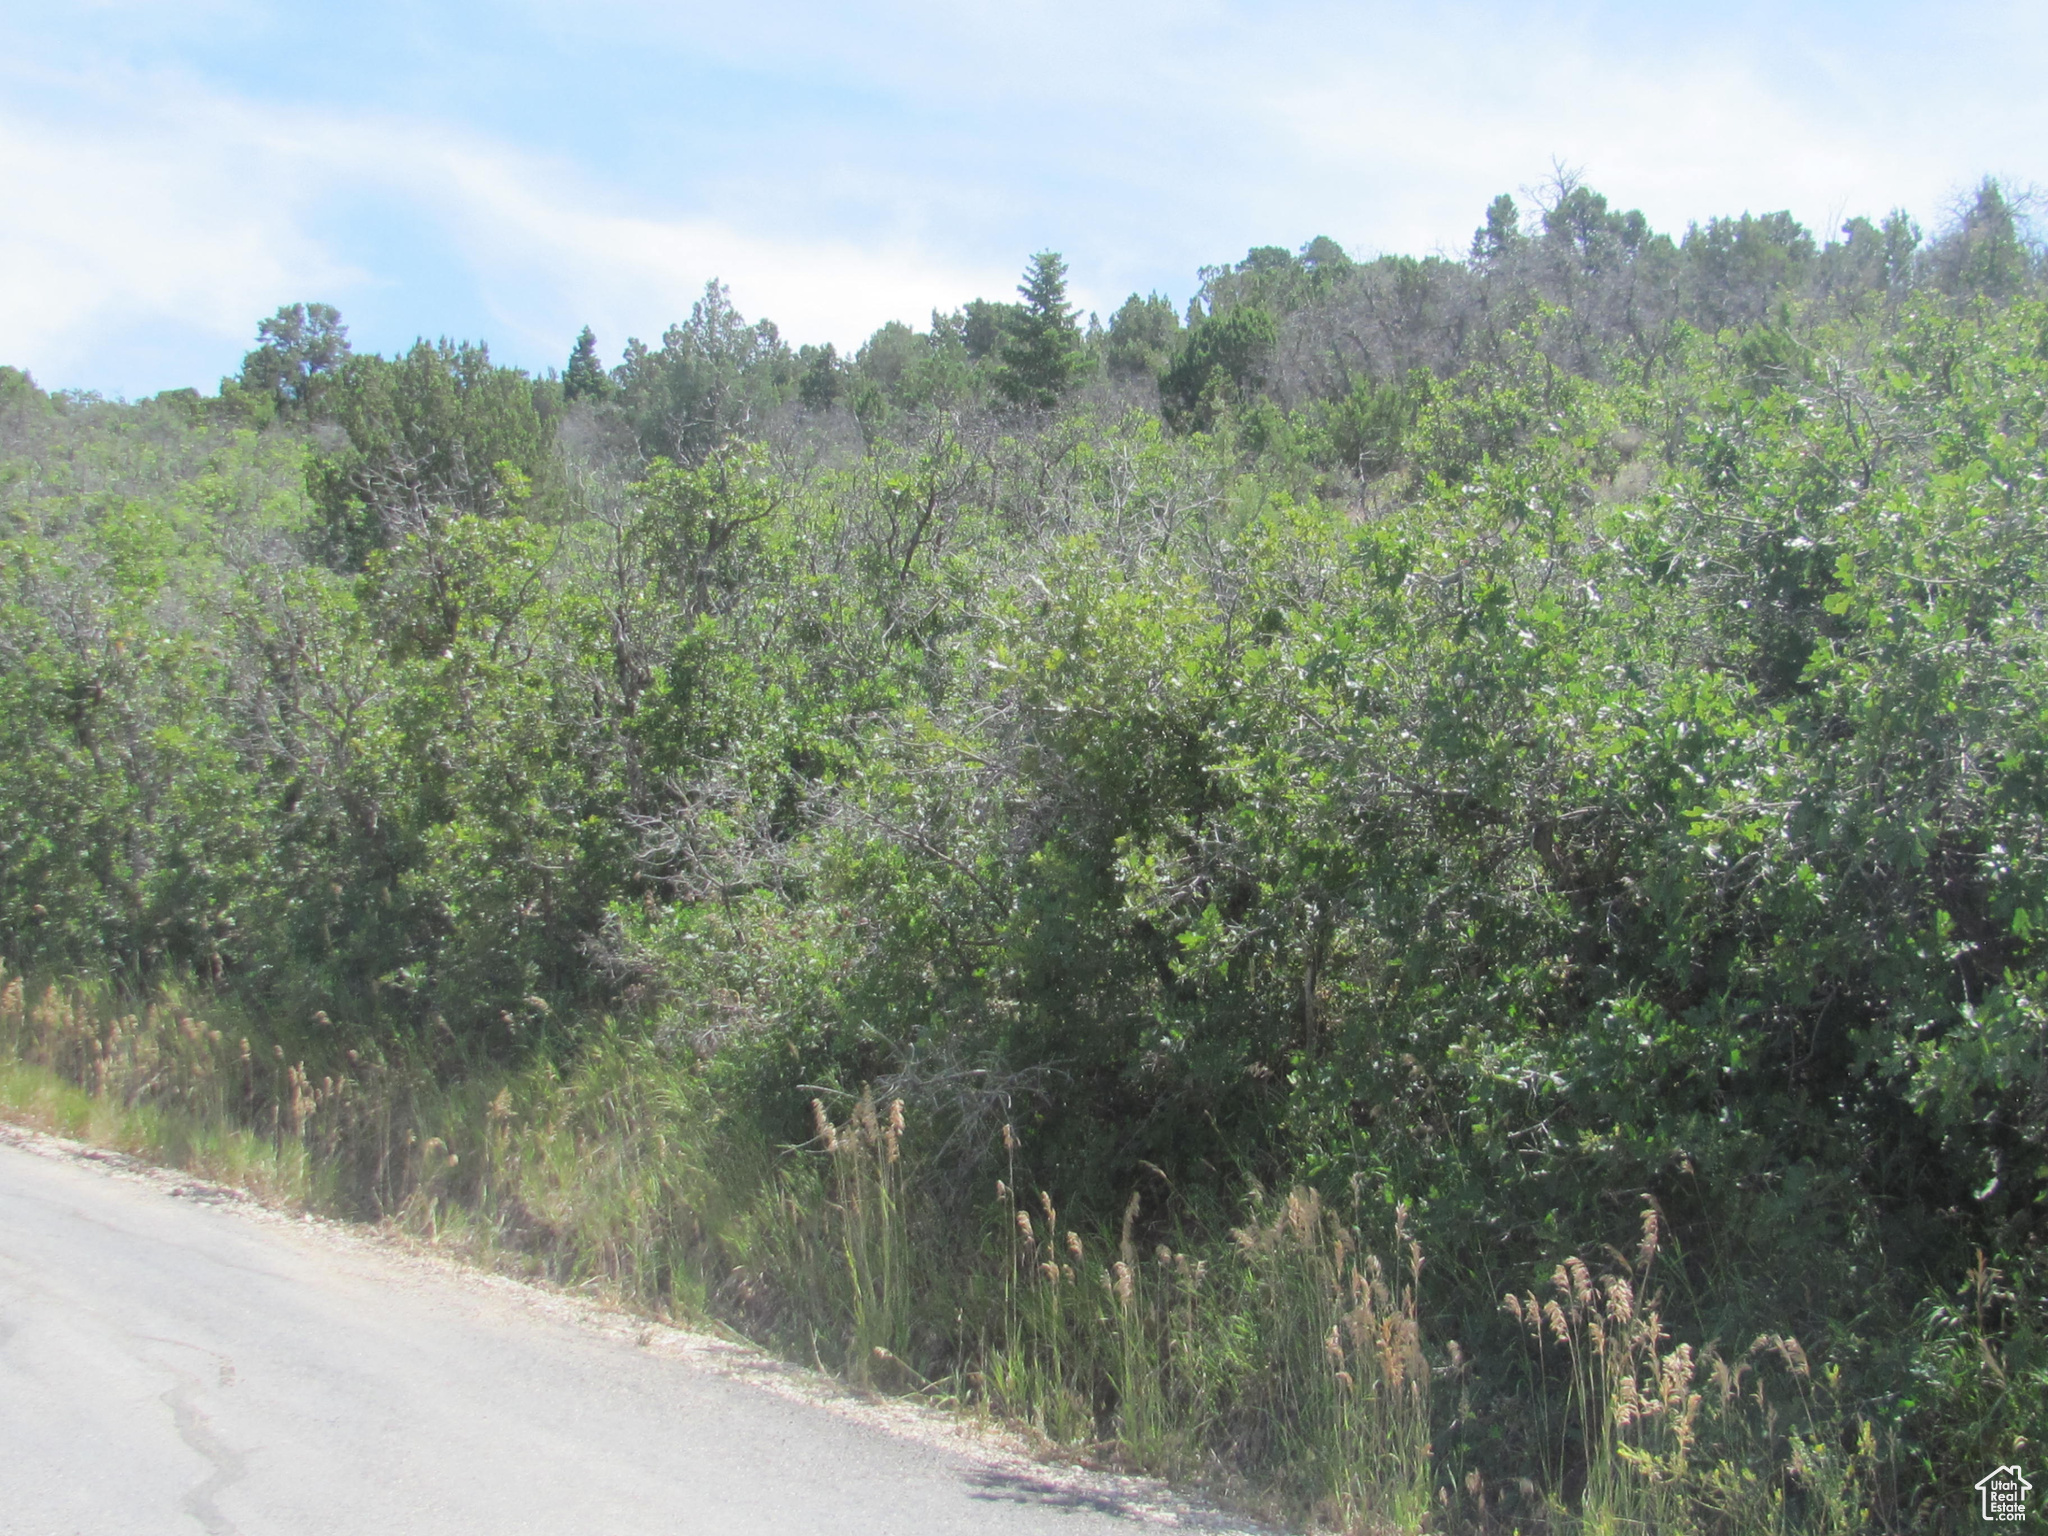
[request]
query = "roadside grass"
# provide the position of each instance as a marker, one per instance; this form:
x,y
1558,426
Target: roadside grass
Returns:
x,y
1285,1363
204,1145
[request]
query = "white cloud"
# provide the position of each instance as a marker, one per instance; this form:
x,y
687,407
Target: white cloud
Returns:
x,y
1701,136
842,166
1144,137
550,252
189,211
107,234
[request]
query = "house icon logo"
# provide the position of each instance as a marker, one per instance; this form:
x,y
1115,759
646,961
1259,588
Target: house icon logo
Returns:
x,y
2004,1492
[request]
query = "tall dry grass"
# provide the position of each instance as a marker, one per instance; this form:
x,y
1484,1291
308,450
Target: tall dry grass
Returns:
x,y
1663,1437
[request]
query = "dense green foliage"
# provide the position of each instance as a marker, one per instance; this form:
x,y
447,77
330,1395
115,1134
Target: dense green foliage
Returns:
x,y
1524,737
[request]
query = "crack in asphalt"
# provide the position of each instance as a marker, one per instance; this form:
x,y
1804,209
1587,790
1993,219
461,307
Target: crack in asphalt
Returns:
x,y
227,1463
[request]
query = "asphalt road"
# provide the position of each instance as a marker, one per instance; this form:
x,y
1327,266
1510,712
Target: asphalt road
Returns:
x,y
171,1361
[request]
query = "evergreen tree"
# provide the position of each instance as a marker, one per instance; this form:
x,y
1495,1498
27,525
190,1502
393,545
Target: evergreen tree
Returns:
x,y
1982,255
984,324
1501,234
1141,338
1222,359
585,379
1042,355
821,383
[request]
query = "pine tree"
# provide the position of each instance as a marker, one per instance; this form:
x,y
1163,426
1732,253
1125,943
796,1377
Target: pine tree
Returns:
x,y
1501,235
585,379
1042,355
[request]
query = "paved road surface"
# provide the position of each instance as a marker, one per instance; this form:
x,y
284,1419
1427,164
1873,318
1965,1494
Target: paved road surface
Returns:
x,y
170,1362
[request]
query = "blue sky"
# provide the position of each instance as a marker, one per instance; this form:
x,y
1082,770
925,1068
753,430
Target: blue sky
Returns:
x,y
173,170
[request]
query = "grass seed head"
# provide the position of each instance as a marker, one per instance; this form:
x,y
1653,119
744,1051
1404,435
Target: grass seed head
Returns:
x,y
1621,1299
1787,1349
821,1124
1675,1383
1727,1380
892,1138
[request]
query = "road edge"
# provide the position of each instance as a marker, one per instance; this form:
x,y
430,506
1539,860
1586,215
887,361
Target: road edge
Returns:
x,y
988,1444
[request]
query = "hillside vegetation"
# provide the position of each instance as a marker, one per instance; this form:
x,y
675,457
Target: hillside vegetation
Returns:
x,y
1421,890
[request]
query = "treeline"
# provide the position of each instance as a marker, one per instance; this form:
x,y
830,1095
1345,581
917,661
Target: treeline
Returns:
x,y
1328,343
1520,736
